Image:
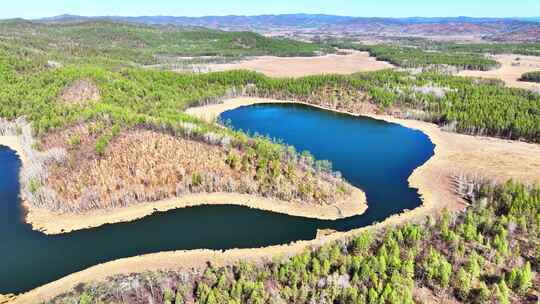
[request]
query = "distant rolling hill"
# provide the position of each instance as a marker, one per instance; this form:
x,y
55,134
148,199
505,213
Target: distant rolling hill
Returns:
x,y
497,29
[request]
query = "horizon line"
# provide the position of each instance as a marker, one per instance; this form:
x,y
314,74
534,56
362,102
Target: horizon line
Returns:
x,y
278,14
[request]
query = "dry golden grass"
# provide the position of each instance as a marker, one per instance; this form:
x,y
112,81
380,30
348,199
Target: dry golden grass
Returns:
x,y
304,66
145,166
512,67
339,98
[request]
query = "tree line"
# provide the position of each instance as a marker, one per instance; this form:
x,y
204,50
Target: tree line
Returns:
x,y
417,56
131,96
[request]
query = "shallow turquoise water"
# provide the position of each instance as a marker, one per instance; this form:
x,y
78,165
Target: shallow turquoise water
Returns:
x,y
376,156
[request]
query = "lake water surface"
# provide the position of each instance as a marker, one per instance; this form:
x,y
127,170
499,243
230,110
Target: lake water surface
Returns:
x,y
374,155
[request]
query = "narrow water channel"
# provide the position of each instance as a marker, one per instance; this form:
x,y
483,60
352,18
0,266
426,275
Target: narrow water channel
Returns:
x,y
376,156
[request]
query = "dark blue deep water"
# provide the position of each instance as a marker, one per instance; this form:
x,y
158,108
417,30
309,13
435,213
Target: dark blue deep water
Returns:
x,y
376,156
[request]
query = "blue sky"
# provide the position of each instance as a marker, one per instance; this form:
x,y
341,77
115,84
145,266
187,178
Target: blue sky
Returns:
x,y
361,8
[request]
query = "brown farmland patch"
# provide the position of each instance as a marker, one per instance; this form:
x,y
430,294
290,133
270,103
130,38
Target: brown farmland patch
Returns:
x,y
304,66
512,67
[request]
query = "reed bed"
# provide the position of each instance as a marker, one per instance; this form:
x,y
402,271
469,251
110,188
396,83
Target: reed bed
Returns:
x,y
34,176
337,97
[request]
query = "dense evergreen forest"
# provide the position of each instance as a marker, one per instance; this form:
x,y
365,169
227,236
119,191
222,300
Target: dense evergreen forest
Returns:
x,y
488,254
420,52
413,57
532,49
531,76
139,96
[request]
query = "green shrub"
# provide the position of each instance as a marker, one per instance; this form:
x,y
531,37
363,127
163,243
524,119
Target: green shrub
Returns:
x,y
74,140
34,185
531,77
197,179
101,144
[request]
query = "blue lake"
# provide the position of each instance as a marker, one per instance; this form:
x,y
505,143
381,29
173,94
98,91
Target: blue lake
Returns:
x,y
374,155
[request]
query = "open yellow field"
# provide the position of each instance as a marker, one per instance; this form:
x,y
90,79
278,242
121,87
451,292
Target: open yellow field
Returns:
x,y
304,66
512,67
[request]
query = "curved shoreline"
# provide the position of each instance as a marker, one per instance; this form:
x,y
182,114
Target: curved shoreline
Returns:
x,y
52,223
188,259
428,184
433,181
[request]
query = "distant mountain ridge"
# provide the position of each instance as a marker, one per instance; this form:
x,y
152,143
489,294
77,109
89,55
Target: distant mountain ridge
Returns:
x,y
526,29
284,19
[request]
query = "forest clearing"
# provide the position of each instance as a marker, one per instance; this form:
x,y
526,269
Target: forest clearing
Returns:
x,y
346,63
511,70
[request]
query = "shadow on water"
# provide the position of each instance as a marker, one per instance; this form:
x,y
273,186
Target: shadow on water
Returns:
x,y
376,156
